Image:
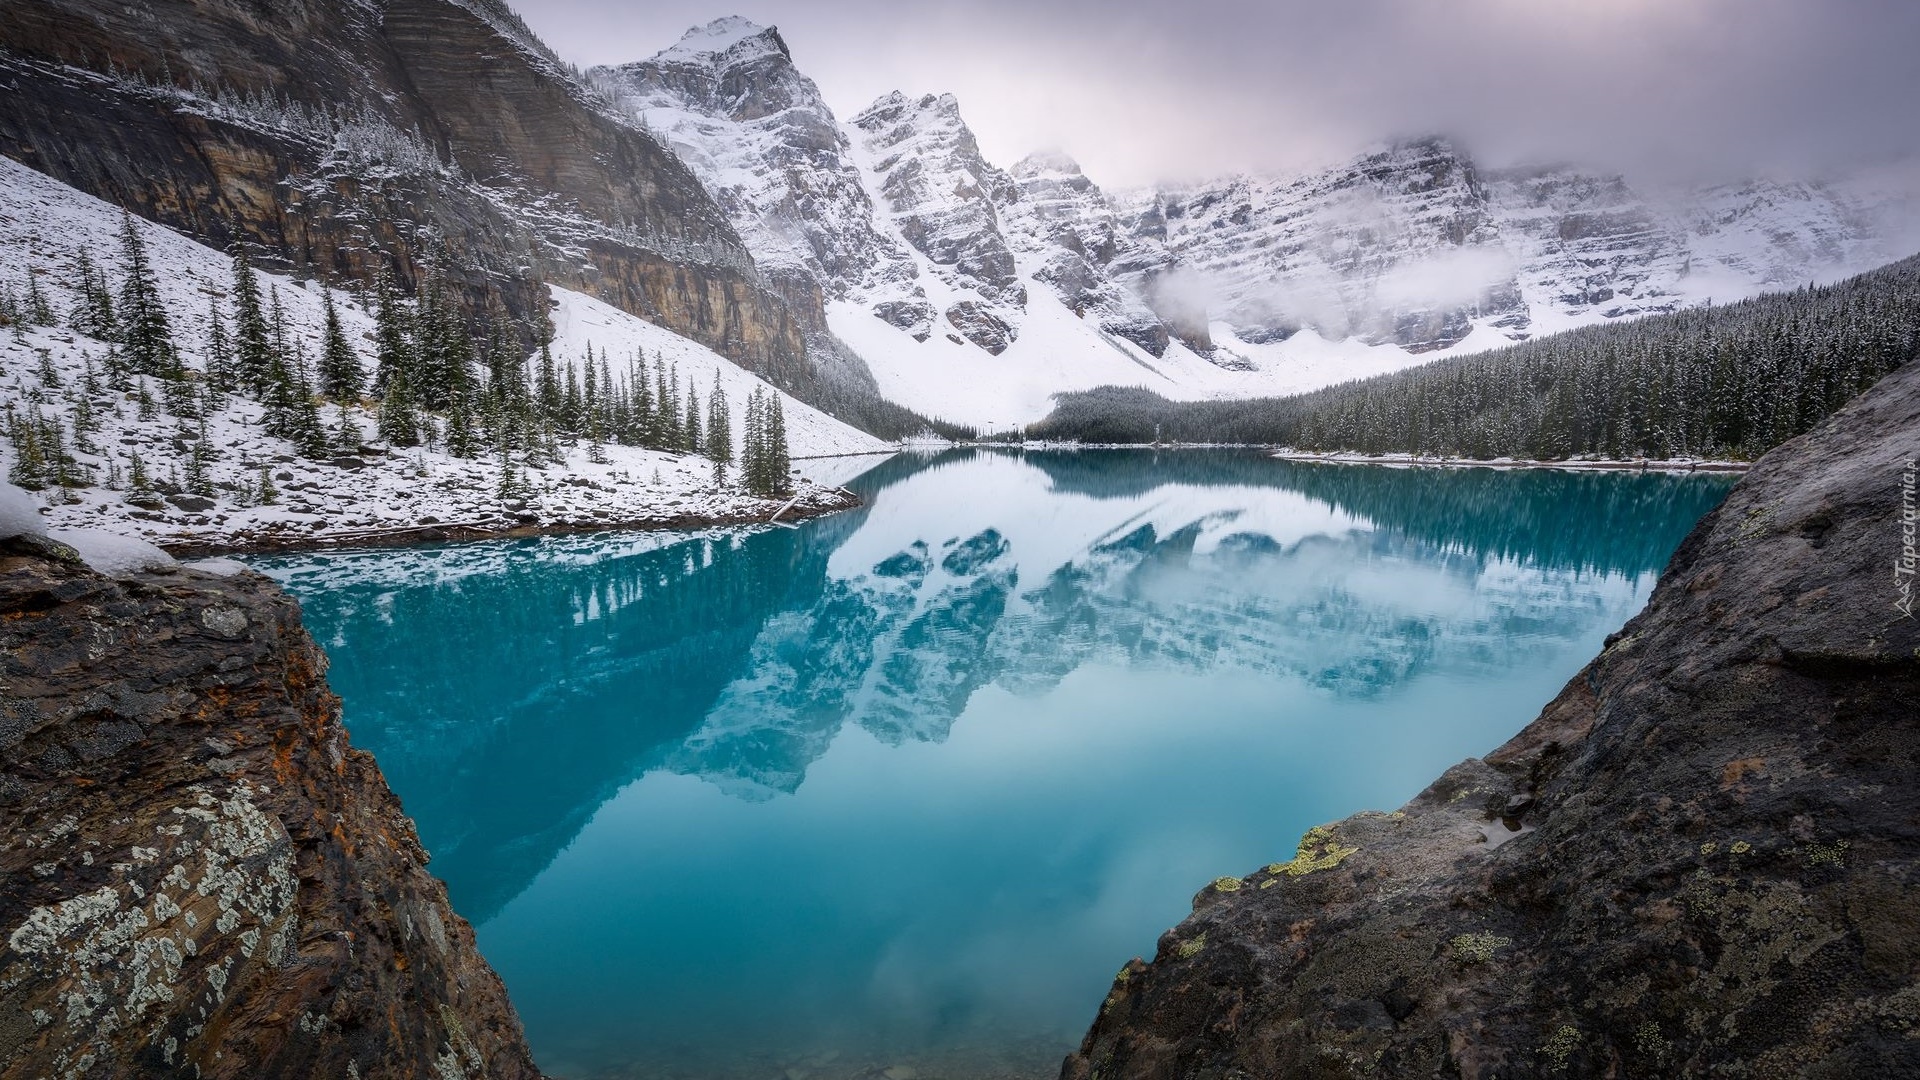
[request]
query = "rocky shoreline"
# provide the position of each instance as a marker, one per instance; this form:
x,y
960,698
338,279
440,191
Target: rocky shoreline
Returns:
x,y
199,875
1701,859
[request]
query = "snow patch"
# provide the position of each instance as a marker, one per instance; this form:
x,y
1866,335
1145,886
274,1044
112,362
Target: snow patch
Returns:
x,y
19,514
113,555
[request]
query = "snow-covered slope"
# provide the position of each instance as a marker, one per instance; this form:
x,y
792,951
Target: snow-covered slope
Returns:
x,y
47,371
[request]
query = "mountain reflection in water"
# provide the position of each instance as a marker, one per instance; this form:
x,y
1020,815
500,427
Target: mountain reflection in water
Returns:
x,y
911,781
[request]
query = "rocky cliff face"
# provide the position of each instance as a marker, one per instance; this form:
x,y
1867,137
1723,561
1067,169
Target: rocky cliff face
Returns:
x,y
336,134
1098,268
198,874
1700,860
940,195
729,100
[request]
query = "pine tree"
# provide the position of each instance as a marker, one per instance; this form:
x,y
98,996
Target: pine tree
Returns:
x,y
549,384
753,451
39,312
509,486
340,373
347,435
139,485
31,470
93,315
393,347
144,330
198,480
220,363
461,442
719,432
252,345
695,444
779,465
308,433
399,423
570,408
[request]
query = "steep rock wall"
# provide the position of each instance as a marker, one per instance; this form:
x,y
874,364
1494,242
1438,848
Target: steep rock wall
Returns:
x,y
198,874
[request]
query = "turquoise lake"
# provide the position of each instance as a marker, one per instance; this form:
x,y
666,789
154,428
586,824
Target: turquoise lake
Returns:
x,y
902,788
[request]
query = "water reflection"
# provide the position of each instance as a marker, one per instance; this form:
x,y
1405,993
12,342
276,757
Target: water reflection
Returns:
x,y
908,782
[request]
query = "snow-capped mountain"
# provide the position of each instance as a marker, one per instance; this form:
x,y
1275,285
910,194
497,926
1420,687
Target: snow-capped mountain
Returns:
x,y
1099,268
939,194
729,101
1414,245
1398,247
975,293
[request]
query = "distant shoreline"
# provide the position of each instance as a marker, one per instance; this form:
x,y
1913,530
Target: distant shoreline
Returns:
x,y
199,548
1667,465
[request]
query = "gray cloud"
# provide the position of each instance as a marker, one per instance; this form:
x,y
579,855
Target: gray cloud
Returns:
x,y
1141,91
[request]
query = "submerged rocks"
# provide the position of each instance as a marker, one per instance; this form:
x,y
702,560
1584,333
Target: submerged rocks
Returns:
x,y
1701,859
198,875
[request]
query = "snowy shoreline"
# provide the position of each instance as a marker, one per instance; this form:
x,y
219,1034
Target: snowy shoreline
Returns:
x,y
1669,465
818,502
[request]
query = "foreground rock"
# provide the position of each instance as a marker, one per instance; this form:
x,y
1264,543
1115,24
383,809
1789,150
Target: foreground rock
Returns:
x,y
1700,860
198,875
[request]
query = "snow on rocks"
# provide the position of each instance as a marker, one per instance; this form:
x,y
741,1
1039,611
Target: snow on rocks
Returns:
x,y
19,514
111,554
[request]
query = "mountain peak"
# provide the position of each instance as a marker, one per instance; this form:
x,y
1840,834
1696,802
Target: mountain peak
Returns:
x,y
722,35
1044,163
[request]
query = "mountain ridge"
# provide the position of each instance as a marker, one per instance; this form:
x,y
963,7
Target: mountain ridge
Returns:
x,y
1243,286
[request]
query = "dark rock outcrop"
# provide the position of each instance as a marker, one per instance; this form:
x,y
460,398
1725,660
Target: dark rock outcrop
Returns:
x,y
198,875
1701,859
334,135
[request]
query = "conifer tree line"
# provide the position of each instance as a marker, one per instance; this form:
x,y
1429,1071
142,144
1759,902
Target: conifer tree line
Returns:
x,y
431,381
1723,381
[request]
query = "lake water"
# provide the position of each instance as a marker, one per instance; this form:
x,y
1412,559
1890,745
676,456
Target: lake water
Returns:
x,y
903,788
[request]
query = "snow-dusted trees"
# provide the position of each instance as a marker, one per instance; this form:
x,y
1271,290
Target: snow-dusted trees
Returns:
x,y
145,332
340,372
764,465
92,314
719,432
1734,380
392,343
252,344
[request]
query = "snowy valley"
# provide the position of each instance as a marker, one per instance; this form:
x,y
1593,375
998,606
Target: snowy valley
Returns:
x,y
176,463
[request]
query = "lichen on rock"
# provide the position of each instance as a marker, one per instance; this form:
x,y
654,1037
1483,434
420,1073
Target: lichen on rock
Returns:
x,y
198,876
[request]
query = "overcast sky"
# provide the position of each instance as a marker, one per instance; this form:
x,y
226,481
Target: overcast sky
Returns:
x,y
1147,90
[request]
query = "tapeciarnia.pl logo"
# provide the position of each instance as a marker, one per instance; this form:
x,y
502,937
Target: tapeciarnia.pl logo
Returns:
x,y
1904,566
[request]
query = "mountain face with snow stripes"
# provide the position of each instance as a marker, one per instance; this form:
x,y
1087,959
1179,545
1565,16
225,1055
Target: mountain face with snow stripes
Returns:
x,y
929,254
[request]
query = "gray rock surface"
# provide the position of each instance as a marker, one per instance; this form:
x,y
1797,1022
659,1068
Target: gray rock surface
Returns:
x,y
199,875
1700,860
